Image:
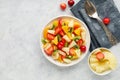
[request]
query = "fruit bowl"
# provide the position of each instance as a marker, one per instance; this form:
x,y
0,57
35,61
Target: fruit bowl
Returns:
x,y
101,61
65,41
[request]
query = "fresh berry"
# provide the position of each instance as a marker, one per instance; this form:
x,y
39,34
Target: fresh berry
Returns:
x,y
83,48
100,56
63,6
71,2
106,21
80,42
50,36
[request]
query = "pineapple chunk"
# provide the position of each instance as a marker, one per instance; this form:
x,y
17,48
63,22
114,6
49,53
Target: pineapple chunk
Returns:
x,y
65,29
73,43
55,40
66,49
55,55
66,38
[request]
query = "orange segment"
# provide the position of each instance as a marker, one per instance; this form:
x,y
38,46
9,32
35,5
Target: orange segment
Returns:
x,y
45,31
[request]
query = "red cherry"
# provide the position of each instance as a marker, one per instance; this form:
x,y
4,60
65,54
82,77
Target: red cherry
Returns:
x,y
106,21
71,2
83,48
63,6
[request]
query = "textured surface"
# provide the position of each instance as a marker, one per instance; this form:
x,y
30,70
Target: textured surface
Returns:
x,y
105,8
21,58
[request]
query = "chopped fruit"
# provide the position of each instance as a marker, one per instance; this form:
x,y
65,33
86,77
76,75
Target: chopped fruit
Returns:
x,y
66,49
60,21
76,25
71,2
55,23
69,35
55,54
51,32
44,41
50,36
83,35
83,48
61,33
62,53
60,45
76,38
49,50
67,60
45,32
78,52
73,43
100,56
55,40
106,21
63,6
62,57
77,31
66,38
71,23
57,30
80,42
72,52
63,40
65,29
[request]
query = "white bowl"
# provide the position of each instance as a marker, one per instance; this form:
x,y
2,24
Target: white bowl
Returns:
x,y
75,61
104,73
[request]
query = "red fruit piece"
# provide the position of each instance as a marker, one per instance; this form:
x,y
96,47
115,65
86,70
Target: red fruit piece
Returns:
x,y
60,45
83,48
57,30
72,51
71,2
106,21
100,56
61,33
49,51
63,6
80,42
50,36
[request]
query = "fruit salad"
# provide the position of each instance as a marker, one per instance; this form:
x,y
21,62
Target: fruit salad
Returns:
x,y
64,39
102,60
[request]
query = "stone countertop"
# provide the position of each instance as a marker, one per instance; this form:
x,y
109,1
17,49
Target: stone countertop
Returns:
x,y
21,58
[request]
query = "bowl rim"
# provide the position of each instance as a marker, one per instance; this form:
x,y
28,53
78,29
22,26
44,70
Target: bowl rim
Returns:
x,y
101,74
76,61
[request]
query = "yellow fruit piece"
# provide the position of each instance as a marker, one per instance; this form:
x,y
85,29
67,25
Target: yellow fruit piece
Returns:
x,y
74,57
65,29
65,21
59,59
55,23
55,40
77,31
45,31
76,24
69,35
